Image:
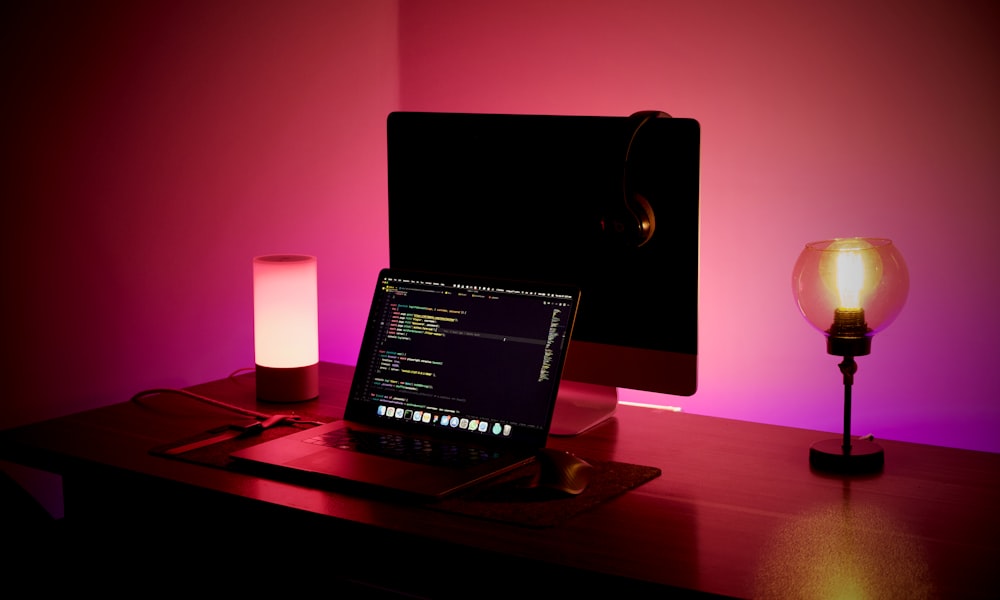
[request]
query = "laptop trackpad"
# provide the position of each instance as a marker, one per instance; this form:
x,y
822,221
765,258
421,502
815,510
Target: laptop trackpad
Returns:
x,y
353,465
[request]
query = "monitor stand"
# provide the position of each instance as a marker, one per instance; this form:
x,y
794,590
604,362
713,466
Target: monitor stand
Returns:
x,y
581,406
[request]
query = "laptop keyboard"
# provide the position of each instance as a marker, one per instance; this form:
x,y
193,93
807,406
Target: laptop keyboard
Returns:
x,y
395,445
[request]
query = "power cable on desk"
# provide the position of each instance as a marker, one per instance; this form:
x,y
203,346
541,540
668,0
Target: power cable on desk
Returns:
x,y
238,409
261,416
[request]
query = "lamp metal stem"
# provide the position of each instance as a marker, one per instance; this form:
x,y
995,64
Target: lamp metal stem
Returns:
x,y
842,455
848,367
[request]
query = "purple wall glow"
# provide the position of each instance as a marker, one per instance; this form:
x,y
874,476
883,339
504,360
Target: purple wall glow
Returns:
x,y
819,120
152,149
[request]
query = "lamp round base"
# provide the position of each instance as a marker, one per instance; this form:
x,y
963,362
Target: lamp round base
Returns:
x,y
829,456
294,384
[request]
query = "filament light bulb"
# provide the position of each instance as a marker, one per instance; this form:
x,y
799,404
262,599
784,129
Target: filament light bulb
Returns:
x,y
851,270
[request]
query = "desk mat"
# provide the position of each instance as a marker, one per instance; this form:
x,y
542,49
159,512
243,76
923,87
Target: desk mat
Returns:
x,y
505,499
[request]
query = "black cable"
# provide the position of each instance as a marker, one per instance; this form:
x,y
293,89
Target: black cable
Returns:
x,y
200,398
261,416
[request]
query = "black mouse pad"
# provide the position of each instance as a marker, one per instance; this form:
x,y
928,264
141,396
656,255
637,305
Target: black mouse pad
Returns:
x,y
508,498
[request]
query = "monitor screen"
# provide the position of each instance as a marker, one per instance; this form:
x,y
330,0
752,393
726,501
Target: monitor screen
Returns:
x,y
610,204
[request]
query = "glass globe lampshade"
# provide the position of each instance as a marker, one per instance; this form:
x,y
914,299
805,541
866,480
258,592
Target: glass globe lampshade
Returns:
x,y
849,289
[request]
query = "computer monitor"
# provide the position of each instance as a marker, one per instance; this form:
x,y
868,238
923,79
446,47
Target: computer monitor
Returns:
x,y
610,204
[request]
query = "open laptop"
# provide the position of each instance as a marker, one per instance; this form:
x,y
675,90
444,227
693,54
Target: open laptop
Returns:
x,y
456,382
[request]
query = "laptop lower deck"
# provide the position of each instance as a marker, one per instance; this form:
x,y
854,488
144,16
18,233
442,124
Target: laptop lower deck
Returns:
x,y
408,466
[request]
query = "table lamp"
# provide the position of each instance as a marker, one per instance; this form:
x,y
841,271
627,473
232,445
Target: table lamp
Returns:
x,y
285,327
849,289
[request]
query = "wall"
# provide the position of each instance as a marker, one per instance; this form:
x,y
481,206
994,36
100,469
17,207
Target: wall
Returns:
x,y
819,120
157,147
151,150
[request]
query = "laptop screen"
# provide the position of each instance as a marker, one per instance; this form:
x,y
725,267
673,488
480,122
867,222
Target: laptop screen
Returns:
x,y
463,356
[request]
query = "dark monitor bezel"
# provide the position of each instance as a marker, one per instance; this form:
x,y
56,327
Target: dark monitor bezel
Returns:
x,y
465,190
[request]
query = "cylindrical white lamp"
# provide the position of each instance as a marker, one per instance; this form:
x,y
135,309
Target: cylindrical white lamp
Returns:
x,y
286,327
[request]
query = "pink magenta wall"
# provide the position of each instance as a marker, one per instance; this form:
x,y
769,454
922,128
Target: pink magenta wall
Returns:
x,y
155,148
819,120
152,149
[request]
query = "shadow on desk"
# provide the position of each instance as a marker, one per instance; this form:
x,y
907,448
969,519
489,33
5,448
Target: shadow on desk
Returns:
x,y
171,540
183,543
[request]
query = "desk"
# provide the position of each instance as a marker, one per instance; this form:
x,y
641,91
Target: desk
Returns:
x,y
736,512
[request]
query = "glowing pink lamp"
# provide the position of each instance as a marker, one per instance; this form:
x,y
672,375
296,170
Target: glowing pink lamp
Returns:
x,y
849,289
285,327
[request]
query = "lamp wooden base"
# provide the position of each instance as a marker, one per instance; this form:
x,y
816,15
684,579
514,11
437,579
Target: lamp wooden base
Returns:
x,y
294,384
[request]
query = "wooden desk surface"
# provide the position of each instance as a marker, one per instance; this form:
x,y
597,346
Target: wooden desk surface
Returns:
x,y
736,512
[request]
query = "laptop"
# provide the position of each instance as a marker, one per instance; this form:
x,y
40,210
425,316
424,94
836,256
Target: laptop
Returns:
x,y
455,383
